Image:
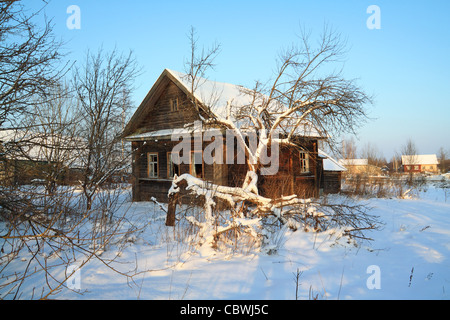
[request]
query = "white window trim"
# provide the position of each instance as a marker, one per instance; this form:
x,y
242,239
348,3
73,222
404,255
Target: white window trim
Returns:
x,y
304,162
149,163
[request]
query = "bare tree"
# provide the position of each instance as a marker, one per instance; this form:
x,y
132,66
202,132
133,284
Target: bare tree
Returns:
x,y
409,157
442,155
349,149
197,65
396,162
100,85
52,228
299,98
49,137
409,148
29,58
373,155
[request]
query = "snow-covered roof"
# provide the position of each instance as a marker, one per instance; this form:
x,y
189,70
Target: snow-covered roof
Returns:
x,y
221,99
329,163
7,135
216,95
38,146
419,159
164,133
30,147
354,162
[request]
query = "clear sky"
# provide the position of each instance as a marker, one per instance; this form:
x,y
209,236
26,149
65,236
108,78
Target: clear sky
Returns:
x,y
404,64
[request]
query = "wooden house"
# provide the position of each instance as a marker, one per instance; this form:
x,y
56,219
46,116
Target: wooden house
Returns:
x,y
331,175
359,167
420,163
169,110
30,158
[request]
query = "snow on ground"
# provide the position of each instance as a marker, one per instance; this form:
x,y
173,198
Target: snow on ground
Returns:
x,y
409,258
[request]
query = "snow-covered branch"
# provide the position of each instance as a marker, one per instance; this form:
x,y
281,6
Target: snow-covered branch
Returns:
x,y
301,103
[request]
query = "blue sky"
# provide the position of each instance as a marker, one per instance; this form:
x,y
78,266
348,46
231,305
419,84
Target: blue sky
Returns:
x,y
405,64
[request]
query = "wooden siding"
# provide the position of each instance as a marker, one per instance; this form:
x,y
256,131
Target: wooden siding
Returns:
x,y
145,187
13,171
331,182
157,114
290,179
287,181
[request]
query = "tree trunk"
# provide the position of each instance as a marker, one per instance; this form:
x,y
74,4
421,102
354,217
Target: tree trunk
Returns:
x,y
170,218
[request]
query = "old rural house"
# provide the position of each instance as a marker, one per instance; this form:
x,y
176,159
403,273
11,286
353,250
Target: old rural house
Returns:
x,y
332,174
169,109
359,167
420,163
32,157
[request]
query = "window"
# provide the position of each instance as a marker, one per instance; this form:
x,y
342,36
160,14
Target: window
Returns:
x,y
196,166
153,165
172,168
174,104
304,162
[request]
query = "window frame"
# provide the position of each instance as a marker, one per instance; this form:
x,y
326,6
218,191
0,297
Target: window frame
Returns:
x,y
170,165
149,154
192,165
174,104
304,160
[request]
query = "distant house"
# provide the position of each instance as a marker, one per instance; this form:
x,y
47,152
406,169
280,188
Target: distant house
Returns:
x,y
359,166
169,109
420,163
29,157
20,163
355,166
332,174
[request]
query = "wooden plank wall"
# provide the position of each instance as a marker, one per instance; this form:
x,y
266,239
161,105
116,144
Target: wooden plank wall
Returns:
x,y
331,182
145,187
161,115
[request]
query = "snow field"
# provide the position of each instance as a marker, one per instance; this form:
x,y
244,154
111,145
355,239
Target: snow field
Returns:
x,y
407,259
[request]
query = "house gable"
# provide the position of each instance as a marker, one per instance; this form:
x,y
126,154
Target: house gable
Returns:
x,y
156,112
